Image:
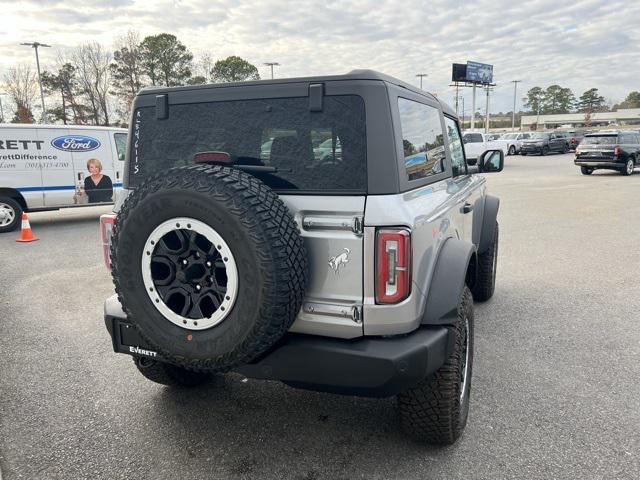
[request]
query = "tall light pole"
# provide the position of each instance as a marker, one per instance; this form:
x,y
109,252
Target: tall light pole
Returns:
x,y
35,45
513,115
421,75
473,108
272,64
486,118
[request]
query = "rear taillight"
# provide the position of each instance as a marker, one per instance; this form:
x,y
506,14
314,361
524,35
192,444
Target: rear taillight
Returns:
x,y
617,151
107,222
393,265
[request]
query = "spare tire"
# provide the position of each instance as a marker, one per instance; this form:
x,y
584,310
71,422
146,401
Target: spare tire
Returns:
x,y
209,264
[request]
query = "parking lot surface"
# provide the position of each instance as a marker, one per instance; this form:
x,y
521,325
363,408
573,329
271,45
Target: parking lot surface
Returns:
x,y
555,391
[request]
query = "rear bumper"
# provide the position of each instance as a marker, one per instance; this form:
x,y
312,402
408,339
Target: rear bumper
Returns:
x,y
598,163
369,366
529,149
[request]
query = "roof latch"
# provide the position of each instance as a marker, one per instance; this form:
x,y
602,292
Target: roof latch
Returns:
x,y
162,107
316,92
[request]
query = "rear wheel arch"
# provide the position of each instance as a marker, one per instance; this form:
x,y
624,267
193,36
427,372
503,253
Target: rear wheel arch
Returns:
x,y
15,194
455,267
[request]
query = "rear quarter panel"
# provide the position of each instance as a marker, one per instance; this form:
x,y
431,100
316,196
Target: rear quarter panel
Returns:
x,y
429,212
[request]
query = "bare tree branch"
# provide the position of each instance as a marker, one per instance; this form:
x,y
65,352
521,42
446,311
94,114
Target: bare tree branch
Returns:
x,y
21,85
91,62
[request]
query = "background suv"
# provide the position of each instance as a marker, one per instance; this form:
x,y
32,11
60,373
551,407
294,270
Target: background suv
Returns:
x,y
544,143
612,150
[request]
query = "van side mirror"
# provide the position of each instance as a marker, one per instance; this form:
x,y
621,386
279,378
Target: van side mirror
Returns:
x,y
491,161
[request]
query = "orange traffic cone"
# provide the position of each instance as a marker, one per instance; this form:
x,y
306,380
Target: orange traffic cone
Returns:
x,y
26,235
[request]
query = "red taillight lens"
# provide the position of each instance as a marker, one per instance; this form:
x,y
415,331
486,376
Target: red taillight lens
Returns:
x,y
107,222
617,152
393,265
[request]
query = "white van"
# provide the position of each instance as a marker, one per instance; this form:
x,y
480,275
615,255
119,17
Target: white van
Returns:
x,y
44,167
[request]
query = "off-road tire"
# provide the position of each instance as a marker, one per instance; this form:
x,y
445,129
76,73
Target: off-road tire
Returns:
x,y
436,410
271,259
171,375
487,267
17,209
586,170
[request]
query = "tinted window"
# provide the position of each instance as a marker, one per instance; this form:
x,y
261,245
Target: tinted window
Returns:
x,y
539,136
422,139
473,138
458,164
600,140
310,151
121,144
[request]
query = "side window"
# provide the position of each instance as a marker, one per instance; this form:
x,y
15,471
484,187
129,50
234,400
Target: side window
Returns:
x,y
121,144
422,139
458,165
472,138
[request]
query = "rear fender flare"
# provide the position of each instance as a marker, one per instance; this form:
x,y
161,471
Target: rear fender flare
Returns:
x,y
447,282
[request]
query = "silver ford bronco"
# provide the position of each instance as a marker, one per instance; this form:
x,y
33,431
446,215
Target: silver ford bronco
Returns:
x,y
324,232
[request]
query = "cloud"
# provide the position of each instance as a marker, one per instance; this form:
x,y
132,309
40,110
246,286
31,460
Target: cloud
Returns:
x,y
579,44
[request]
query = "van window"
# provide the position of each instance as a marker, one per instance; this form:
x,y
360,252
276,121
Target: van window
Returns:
x,y
422,139
121,144
302,150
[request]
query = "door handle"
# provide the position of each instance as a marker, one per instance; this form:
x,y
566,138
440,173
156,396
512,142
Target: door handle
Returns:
x,y
117,175
467,208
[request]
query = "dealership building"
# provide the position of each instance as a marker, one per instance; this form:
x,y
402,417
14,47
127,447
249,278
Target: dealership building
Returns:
x,y
628,116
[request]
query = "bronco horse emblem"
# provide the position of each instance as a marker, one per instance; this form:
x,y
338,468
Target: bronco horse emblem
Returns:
x,y
339,261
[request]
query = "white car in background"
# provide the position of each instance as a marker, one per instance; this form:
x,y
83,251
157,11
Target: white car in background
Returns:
x,y
475,144
513,141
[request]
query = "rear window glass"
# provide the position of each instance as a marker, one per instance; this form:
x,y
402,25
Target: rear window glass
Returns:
x,y
600,140
422,139
299,149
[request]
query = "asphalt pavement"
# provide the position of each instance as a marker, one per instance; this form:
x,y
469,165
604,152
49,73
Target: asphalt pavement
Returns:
x,y
555,392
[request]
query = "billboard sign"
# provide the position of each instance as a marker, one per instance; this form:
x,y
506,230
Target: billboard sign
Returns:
x,y
479,72
459,72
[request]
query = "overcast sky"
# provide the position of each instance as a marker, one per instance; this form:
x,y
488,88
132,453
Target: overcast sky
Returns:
x,y
579,44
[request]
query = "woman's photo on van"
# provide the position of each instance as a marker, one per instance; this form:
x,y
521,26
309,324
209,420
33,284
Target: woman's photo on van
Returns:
x,y
97,186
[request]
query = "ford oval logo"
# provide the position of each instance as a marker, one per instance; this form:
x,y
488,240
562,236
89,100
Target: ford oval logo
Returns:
x,y
75,143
